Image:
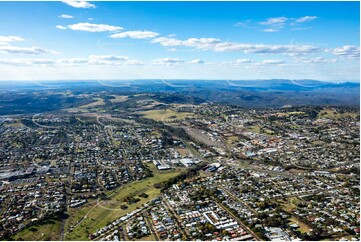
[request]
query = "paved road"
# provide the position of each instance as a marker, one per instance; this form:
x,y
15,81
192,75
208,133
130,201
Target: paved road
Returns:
x,y
176,218
240,222
151,227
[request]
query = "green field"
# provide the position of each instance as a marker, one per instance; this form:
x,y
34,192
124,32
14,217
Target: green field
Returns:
x,y
334,115
49,230
85,108
118,99
99,216
165,115
253,129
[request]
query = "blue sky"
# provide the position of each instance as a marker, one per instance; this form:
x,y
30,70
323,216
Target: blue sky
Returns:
x,y
179,40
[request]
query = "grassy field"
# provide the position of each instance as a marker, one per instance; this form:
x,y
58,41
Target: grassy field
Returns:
x,y
331,114
232,139
50,230
183,152
109,210
15,124
165,115
288,205
118,99
83,109
303,228
253,129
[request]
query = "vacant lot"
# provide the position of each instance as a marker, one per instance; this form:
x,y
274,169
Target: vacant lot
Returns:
x,y
303,228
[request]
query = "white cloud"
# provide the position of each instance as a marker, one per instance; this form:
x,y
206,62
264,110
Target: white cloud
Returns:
x,y
25,50
60,27
220,46
316,60
164,41
272,62
91,60
5,40
136,35
166,61
244,61
295,29
347,51
271,30
79,3
73,61
26,62
275,21
107,59
94,27
133,63
278,23
10,38
306,19
196,61
65,16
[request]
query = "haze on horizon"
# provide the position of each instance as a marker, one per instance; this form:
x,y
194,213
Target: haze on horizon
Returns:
x,y
77,40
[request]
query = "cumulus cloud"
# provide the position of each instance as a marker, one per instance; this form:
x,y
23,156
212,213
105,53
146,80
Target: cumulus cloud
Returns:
x,y
196,61
61,27
135,35
220,46
164,41
10,38
65,16
5,40
79,3
347,51
94,27
107,59
25,50
305,19
167,61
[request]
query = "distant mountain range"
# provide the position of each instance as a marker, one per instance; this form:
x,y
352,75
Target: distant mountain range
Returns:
x,y
246,93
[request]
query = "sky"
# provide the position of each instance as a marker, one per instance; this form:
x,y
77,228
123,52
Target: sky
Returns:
x,y
74,40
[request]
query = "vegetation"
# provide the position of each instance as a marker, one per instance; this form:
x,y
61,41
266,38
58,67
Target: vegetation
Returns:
x,y
99,215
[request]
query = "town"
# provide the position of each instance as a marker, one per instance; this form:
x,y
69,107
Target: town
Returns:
x,y
134,167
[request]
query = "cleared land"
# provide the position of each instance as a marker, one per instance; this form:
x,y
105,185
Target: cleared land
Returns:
x,y
183,152
96,216
165,115
303,228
